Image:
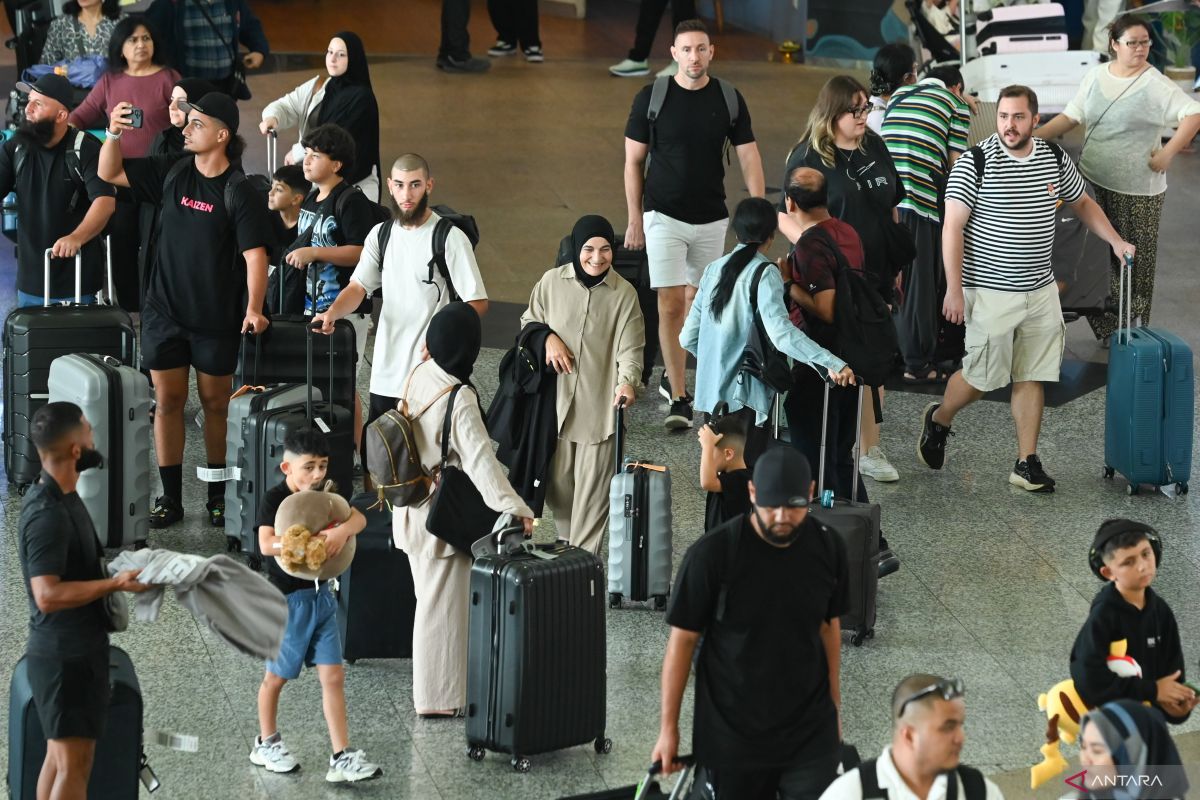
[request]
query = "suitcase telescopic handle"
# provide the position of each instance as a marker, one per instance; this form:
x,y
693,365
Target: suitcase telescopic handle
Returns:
x,y
1125,300
619,442
310,331
272,151
821,494
78,277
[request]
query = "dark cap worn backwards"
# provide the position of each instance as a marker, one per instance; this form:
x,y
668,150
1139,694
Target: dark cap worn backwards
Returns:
x,y
51,85
216,105
782,478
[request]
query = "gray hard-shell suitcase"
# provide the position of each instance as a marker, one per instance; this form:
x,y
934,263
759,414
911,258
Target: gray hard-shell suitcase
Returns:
x,y
116,400
119,757
536,660
33,338
639,528
858,524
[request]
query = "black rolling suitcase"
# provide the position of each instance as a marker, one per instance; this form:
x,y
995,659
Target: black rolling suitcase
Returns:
x,y
379,577
34,337
118,752
650,787
858,524
264,434
536,665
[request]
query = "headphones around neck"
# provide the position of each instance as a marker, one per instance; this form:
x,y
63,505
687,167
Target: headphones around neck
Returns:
x,y
1112,528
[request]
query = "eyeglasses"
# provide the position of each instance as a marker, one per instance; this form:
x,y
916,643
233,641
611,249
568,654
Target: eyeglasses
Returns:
x,y
859,111
948,688
1140,44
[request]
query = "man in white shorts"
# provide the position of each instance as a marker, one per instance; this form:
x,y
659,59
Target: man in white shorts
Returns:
x,y
675,191
412,291
997,237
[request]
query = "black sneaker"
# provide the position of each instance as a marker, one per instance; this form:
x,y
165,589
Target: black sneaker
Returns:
x,y
534,54
1030,476
216,511
931,447
463,65
680,415
664,389
166,512
502,48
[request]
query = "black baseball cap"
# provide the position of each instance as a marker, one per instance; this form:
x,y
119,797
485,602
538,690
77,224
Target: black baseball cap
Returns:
x,y
216,105
782,478
51,85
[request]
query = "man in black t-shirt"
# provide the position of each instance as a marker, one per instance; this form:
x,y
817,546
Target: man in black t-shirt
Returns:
x,y
207,283
766,592
67,652
675,192
62,202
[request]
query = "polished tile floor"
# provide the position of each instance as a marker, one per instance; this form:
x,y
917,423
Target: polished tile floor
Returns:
x,y
994,583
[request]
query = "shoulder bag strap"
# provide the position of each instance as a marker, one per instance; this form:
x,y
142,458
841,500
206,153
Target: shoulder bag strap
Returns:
x,y
731,551
446,427
208,18
868,778
974,786
1092,127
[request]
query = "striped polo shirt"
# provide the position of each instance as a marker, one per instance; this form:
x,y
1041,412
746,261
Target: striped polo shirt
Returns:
x,y
1010,234
925,123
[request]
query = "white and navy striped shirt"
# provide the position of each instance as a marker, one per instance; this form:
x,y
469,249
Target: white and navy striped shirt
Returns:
x,y
1010,235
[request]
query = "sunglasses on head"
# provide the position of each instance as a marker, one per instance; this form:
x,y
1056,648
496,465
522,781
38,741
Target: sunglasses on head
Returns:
x,y
948,688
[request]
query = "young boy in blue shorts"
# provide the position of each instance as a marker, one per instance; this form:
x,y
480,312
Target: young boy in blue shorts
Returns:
x,y
312,636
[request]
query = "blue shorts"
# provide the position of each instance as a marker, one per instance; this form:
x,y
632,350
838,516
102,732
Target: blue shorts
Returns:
x,y
25,299
311,636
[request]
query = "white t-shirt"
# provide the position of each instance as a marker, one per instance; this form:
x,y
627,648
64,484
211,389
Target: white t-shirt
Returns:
x,y
849,786
1117,154
408,302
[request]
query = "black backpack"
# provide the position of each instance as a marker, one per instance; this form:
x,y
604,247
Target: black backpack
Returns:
x,y
973,783
658,96
449,219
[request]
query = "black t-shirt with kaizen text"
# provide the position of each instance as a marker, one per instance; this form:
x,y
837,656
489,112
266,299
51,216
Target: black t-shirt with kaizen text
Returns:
x,y
762,678
199,278
686,176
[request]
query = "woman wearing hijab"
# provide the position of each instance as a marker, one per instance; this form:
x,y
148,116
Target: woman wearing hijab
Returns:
x,y
1127,754
441,574
169,141
596,349
343,97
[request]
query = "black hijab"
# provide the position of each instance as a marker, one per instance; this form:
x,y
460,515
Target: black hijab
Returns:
x,y
1145,743
589,227
350,102
454,338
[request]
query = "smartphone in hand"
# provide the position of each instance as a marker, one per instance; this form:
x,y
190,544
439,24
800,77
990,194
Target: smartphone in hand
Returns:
x,y
135,117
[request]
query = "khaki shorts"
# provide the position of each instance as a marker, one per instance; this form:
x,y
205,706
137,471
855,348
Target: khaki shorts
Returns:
x,y
678,251
1012,337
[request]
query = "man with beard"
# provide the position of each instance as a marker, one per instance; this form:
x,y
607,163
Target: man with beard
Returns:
x,y
997,238
765,592
928,716
206,286
67,651
412,293
62,203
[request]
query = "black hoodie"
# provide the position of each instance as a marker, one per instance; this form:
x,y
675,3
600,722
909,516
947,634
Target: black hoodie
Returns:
x,y
1152,640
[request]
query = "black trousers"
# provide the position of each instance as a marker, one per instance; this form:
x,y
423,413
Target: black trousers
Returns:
x,y
456,42
649,15
802,782
803,406
515,21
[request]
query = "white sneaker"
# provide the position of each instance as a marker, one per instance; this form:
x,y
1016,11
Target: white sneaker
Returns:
x,y
630,68
874,465
350,766
273,754
669,70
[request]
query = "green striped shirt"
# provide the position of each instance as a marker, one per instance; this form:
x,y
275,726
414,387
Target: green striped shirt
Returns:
x,y
925,123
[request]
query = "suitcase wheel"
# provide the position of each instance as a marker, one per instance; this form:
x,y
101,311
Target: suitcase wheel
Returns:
x,y
1109,472
1132,489
603,745
1181,488
22,488
476,753
861,635
352,661
233,544
614,600
521,764
660,602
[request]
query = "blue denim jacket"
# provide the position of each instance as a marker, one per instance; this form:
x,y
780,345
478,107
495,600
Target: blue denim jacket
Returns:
x,y
718,344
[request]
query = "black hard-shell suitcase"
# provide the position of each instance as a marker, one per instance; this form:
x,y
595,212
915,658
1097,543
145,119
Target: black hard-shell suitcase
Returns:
x,y
34,337
118,751
379,577
650,787
858,524
536,671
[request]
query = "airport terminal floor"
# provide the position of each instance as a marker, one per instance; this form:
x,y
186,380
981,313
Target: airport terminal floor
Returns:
x,y
994,582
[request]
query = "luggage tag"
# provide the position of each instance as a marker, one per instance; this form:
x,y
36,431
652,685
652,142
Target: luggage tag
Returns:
x,y
182,742
219,475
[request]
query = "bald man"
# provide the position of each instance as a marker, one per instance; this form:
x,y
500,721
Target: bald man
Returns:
x,y
67,651
412,291
928,713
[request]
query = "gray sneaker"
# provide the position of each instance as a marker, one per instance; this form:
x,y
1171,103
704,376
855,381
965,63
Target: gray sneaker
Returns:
x,y
273,755
351,766
630,68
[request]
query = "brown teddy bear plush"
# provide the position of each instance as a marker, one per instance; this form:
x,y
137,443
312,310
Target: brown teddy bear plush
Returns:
x,y
303,553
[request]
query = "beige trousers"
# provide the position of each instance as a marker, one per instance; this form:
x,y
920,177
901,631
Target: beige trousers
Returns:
x,y
443,589
578,491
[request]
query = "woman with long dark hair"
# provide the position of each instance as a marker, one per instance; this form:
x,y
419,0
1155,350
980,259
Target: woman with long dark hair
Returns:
x,y
343,97
895,65
84,29
718,326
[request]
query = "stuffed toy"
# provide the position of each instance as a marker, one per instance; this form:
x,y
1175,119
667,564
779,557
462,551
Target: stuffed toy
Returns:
x,y
302,517
1064,709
